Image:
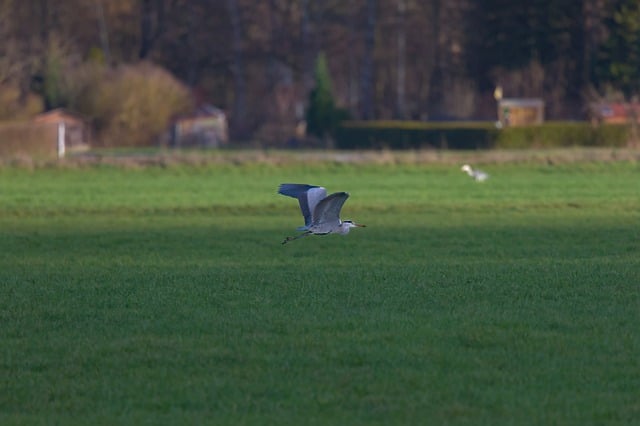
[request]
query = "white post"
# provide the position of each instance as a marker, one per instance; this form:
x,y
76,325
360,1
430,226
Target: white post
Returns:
x,y
61,136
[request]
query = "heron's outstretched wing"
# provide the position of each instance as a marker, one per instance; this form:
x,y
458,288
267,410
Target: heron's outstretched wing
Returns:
x,y
328,210
308,196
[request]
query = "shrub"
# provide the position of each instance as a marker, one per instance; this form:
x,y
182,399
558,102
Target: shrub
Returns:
x,y
613,135
17,106
475,135
414,135
131,105
563,134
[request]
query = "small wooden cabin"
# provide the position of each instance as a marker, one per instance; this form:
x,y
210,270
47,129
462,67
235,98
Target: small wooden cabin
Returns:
x,y
45,136
614,112
520,111
207,128
73,133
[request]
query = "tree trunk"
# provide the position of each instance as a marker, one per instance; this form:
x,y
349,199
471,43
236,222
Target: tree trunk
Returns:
x,y
353,79
366,82
401,66
238,119
308,52
151,25
192,51
104,32
436,81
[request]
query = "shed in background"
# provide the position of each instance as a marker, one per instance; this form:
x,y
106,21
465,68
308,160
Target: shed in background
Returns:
x,y
73,133
49,135
520,111
206,128
614,112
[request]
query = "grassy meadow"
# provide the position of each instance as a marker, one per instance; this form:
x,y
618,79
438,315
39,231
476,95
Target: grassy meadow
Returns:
x,y
162,295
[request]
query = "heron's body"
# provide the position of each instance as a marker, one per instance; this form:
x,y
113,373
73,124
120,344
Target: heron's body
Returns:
x,y
321,212
477,175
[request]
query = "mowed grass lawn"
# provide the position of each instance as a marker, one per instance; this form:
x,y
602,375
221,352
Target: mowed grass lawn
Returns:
x,y
163,296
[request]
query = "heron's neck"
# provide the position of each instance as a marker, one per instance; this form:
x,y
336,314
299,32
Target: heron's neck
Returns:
x,y
344,228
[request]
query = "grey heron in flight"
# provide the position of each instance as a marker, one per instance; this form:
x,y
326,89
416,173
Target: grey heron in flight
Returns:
x,y
321,212
477,175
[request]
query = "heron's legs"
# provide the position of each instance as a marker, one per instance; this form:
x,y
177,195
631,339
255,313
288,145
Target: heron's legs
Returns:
x,y
304,234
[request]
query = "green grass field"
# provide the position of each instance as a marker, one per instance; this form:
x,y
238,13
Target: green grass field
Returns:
x,y
163,296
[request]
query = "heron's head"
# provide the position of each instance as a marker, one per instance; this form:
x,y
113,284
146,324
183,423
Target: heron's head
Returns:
x,y
466,168
352,224
346,225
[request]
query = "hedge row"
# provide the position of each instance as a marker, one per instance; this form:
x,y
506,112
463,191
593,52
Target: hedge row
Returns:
x,y
562,134
475,135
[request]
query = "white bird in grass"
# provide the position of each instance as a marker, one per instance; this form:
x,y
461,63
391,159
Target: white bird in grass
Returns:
x,y
477,175
321,213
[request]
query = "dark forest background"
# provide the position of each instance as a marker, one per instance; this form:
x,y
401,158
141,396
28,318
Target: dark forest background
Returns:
x,y
385,59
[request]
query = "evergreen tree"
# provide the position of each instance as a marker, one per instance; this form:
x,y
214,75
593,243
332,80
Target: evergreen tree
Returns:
x,y
619,62
321,114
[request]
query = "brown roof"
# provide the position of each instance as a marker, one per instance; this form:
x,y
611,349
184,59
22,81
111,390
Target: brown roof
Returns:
x,y
57,116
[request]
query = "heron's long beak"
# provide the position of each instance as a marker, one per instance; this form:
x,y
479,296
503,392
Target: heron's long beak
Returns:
x,y
359,225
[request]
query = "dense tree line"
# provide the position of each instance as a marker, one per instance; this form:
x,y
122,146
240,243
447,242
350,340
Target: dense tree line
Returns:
x,y
403,59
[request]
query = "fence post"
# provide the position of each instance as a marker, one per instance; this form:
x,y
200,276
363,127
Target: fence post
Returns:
x,y
61,137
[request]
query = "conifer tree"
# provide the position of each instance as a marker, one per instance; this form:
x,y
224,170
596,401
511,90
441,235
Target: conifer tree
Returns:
x,y
321,114
620,55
